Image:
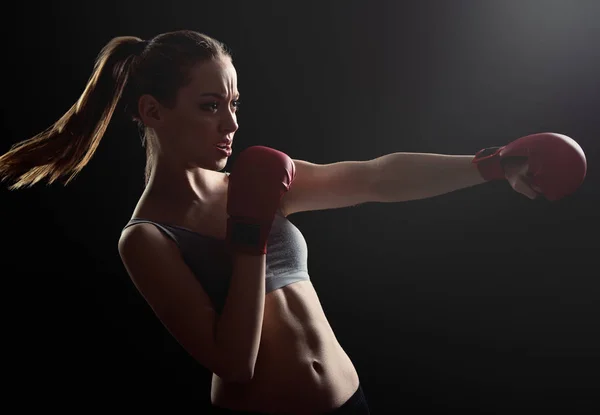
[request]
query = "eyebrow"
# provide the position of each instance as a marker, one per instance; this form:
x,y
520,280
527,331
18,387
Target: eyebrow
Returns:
x,y
216,95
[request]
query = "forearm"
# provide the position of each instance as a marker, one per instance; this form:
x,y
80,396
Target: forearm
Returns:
x,y
239,328
410,176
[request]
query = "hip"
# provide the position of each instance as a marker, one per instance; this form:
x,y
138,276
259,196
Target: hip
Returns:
x,y
355,405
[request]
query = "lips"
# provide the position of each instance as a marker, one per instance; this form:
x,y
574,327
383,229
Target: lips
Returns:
x,y
224,144
224,148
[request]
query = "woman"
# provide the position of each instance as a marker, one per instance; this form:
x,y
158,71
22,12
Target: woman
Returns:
x,y
213,254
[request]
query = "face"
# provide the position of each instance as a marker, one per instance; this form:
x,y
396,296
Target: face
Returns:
x,y
204,117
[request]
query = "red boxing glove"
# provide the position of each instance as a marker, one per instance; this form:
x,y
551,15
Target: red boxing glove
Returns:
x,y
258,180
557,164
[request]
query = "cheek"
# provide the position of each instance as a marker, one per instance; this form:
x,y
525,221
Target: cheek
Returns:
x,y
197,134
191,127
200,123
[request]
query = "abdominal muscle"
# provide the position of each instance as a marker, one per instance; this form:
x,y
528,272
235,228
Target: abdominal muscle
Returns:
x,y
300,368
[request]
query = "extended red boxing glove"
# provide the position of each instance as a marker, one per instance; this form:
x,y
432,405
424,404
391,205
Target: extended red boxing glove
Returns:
x,y
556,163
258,180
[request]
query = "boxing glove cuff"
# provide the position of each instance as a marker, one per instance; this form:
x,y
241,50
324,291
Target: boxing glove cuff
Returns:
x,y
246,236
489,163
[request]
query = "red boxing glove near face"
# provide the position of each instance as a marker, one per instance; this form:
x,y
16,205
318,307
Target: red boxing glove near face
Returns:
x,y
258,180
557,164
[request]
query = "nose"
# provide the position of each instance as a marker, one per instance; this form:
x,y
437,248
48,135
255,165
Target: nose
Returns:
x,y
229,122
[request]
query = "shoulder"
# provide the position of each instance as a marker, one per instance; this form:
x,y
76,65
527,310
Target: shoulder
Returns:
x,y
141,239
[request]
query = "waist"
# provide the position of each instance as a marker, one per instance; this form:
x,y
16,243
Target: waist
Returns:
x,y
300,364
292,378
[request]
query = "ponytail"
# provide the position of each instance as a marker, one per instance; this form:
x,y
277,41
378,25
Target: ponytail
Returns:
x,y
63,149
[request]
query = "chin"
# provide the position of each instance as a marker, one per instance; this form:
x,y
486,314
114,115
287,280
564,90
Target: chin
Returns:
x,y
221,166
214,165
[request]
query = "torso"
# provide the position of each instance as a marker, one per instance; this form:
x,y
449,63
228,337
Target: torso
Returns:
x,y
301,368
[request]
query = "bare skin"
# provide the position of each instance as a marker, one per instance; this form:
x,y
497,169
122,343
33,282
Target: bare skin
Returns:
x,y
300,365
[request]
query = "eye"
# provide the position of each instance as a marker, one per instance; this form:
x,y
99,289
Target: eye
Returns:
x,y
214,106
211,106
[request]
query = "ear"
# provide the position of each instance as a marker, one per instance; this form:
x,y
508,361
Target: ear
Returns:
x,y
149,110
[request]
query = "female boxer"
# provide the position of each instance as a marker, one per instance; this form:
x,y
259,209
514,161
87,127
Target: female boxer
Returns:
x,y
213,253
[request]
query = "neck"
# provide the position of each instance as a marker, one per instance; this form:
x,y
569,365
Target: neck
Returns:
x,y
185,185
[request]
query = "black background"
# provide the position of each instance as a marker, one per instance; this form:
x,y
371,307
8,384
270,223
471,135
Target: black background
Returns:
x,y
479,301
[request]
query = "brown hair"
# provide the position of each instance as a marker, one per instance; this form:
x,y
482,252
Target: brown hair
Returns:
x,y
125,69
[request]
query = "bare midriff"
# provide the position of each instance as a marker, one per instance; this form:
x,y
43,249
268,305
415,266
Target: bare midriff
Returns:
x,y
301,368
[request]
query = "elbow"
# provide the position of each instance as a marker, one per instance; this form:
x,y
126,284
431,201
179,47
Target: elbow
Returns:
x,y
239,376
243,376
231,373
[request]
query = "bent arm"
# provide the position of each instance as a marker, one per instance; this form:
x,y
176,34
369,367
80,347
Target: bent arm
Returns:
x,y
225,344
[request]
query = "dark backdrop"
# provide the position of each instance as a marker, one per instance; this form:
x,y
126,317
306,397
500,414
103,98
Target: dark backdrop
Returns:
x,y
479,301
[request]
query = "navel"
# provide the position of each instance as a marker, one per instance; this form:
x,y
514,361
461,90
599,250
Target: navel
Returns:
x,y
318,367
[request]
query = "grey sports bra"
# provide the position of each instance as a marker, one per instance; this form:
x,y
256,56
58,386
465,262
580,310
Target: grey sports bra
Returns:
x,y
209,260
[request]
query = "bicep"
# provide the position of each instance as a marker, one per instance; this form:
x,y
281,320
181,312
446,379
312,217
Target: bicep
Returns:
x,y
329,186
